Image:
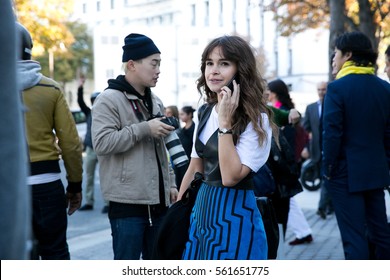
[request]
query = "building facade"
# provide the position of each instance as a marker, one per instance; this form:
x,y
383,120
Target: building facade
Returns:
x,y
182,28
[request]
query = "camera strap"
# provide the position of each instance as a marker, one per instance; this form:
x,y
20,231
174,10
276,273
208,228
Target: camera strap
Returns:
x,y
136,110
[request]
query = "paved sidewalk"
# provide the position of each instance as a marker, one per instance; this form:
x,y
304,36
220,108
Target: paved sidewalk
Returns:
x,y
327,241
326,244
89,234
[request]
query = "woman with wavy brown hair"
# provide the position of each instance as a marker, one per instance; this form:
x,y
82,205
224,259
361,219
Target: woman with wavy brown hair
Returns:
x,y
233,139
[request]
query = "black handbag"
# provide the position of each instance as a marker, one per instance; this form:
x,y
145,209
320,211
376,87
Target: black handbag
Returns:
x,y
172,234
284,168
270,222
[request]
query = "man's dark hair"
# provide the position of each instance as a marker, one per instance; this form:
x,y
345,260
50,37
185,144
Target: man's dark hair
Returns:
x,y
188,110
359,45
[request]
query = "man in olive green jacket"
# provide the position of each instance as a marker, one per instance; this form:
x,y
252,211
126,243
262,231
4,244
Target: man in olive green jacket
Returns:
x,y
48,120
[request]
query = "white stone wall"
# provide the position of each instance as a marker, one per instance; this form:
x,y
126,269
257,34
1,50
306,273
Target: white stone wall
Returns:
x,y
169,24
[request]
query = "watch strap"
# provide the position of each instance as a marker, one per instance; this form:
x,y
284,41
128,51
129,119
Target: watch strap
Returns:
x,y
222,131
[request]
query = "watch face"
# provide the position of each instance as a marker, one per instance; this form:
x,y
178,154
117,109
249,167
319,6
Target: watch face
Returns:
x,y
224,131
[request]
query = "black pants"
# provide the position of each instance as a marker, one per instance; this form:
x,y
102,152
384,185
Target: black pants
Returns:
x,y
282,207
50,221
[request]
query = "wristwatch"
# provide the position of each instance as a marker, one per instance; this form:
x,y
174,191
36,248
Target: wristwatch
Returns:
x,y
222,131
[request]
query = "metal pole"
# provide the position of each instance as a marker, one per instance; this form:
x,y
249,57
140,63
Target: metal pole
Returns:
x,y
51,63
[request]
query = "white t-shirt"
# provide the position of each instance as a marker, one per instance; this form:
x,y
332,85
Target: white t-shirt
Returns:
x,y
250,152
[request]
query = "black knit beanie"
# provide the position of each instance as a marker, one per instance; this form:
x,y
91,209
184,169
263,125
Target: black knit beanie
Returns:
x,y
138,46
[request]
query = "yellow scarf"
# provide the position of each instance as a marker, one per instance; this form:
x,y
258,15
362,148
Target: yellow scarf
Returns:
x,y
349,67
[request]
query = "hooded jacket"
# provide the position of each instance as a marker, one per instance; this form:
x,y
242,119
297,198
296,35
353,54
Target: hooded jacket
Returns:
x,y
128,154
48,120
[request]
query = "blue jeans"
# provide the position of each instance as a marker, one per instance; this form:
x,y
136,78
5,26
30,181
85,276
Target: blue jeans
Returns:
x,y
50,221
133,236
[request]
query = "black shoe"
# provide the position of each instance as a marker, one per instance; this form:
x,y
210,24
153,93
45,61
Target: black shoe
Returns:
x,y
306,239
321,213
86,207
105,209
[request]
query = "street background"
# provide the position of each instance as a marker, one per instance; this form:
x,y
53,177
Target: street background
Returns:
x,y
89,233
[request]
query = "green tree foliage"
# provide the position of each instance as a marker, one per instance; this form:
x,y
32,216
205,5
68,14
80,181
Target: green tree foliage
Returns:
x,y
55,35
46,21
76,60
295,16
372,17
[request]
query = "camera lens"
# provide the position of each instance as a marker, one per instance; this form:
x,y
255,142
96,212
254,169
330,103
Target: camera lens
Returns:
x,y
175,149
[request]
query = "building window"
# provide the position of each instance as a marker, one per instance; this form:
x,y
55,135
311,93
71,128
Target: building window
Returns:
x,y
171,18
193,15
112,4
290,56
220,13
207,16
98,6
84,8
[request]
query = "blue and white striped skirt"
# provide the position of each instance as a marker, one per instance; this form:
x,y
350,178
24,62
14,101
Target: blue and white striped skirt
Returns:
x,y
225,225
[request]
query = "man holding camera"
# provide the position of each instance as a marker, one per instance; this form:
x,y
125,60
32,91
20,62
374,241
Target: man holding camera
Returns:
x,y
135,175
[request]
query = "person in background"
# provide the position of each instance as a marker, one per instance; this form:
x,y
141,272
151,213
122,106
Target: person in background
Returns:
x,y
355,165
91,159
172,111
233,138
51,134
311,123
186,133
280,98
128,135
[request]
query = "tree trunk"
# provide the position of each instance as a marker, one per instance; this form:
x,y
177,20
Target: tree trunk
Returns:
x,y
367,25
337,27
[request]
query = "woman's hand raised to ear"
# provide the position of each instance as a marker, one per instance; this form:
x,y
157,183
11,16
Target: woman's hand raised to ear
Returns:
x,y
227,105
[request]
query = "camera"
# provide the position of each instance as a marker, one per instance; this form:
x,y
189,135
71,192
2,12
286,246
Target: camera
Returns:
x,y
173,144
171,121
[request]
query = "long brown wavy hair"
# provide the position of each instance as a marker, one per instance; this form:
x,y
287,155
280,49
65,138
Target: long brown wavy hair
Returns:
x,y
252,85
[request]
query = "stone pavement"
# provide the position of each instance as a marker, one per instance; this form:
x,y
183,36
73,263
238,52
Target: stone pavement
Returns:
x,y
327,241
326,244
89,233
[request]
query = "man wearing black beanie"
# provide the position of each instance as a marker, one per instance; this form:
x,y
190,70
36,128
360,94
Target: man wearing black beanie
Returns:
x,y
128,138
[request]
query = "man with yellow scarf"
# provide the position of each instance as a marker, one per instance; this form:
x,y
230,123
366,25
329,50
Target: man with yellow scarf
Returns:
x,y
356,147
